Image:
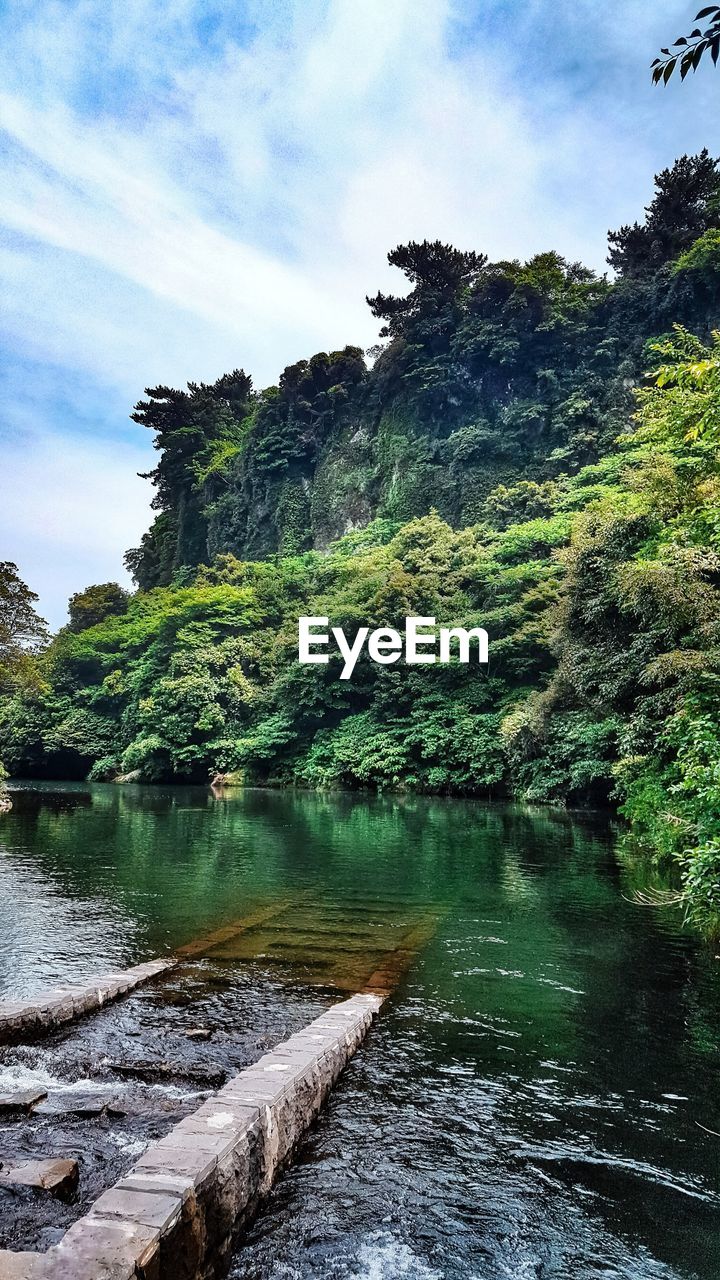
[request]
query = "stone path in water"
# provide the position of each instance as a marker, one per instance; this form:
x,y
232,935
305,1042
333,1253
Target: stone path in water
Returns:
x,y
177,1211
38,1015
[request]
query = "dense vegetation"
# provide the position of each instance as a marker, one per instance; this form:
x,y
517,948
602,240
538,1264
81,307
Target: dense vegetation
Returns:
x,y
491,373
503,463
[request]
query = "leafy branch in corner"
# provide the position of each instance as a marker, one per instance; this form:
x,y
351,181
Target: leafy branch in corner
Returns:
x,y
688,50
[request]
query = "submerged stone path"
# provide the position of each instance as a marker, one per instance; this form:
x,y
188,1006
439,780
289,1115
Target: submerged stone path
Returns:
x,y
368,958
38,1015
175,1215
43,1013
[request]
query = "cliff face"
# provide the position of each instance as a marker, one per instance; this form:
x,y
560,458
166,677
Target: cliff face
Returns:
x,y
479,404
493,375
394,468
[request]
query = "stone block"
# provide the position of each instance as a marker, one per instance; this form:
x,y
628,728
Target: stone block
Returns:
x,y
227,1116
20,1101
158,1209
21,1266
97,1249
61,1008
84,1000
112,985
186,1161
186,1138
235,1184
19,1018
25,1021
174,1215
161,1182
59,1177
255,1089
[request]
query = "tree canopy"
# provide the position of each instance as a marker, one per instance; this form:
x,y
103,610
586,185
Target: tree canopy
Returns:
x,y
22,631
686,205
94,604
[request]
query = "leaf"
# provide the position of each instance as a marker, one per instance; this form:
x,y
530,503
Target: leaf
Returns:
x,y
697,55
657,74
704,13
682,40
669,69
685,65
715,49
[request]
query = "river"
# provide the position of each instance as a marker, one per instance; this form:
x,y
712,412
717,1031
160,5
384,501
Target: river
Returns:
x,y
536,1098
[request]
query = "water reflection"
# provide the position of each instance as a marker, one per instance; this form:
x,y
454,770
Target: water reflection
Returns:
x,y
530,1103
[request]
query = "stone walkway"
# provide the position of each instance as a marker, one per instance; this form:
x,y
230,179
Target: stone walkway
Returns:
x,y
177,1211
38,1015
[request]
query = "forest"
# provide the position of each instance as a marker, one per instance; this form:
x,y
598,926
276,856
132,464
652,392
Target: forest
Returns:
x,y
532,448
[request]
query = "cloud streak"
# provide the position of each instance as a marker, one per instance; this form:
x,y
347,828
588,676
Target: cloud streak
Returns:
x,y
66,510
188,187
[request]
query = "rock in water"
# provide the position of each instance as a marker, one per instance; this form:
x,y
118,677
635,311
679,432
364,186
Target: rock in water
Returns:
x,y
22,1101
21,1266
73,1104
59,1177
151,1071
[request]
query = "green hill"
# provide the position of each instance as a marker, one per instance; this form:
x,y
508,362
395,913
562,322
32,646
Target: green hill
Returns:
x,y
533,449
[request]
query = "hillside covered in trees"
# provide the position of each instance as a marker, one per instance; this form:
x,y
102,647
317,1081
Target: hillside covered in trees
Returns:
x,y
533,449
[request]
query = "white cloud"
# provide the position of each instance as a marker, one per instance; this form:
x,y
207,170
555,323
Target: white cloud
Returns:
x,y
193,186
89,192
71,511
251,203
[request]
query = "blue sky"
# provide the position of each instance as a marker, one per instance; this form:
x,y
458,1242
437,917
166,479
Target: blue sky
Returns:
x,y
188,187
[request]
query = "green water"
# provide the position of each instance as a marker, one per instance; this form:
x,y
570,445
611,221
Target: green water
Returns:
x,y
536,1098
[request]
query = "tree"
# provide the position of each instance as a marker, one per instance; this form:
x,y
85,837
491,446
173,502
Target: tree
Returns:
x,y
95,604
688,50
189,427
22,631
685,401
686,204
439,274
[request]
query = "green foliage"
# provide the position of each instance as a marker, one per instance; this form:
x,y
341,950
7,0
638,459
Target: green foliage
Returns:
x,y
525,500
446,749
494,468
193,431
193,680
691,371
688,51
94,604
685,206
703,256
22,631
492,376
576,762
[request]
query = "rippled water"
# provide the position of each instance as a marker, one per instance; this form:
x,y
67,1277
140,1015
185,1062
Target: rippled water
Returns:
x,y
536,1098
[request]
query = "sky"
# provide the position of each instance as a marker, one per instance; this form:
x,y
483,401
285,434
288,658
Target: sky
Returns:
x,y
189,187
